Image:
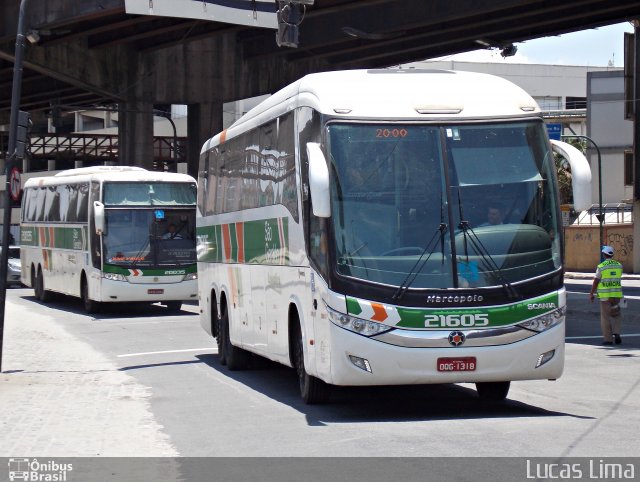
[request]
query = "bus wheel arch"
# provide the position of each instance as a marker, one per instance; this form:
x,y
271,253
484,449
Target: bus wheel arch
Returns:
x,y
312,389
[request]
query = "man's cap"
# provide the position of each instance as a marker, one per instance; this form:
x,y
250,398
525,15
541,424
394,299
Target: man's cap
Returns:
x,y
608,250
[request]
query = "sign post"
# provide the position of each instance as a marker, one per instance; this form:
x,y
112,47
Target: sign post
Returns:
x,y
12,156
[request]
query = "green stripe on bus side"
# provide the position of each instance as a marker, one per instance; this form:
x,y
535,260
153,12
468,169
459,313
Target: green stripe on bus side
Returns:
x,y
55,237
142,271
498,315
261,240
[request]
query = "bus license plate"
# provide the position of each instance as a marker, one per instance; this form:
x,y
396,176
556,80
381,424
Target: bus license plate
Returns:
x,y
155,292
462,364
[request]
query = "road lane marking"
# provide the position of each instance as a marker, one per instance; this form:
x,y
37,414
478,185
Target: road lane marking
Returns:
x,y
208,349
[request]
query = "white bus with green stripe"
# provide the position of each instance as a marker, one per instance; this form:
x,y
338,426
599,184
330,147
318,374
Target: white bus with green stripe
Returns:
x,y
343,231
101,234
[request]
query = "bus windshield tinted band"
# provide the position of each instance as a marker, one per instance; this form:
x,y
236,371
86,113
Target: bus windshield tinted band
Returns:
x,y
149,194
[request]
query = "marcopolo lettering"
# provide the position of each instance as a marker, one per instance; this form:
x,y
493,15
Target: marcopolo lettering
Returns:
x,y
454,298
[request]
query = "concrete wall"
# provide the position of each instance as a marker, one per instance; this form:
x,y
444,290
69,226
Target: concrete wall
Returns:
x,y
613,134
582,246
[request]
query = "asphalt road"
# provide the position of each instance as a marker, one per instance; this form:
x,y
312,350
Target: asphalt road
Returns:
x,y
201,409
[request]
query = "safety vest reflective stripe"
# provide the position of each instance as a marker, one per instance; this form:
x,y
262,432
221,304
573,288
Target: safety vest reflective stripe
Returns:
x,y
610,285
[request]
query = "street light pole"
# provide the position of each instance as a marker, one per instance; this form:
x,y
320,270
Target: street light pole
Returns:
x,y
600,214
11,156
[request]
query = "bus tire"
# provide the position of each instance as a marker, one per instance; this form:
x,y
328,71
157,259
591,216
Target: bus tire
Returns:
x,y
90,306
312,390
34,282
174,306
493,391
43,295
220,337
236,358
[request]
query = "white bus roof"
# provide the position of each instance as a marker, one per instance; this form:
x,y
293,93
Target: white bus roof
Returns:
x,y
411,94
107,173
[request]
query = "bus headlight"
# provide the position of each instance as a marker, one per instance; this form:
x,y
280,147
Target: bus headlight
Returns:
x,y
546,321
357,325
190,276
114,276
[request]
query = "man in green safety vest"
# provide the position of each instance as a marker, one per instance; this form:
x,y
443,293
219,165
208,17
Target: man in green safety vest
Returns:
x,y
608,284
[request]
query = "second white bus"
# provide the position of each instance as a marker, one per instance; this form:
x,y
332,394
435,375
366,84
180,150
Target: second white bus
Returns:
x,y
103,234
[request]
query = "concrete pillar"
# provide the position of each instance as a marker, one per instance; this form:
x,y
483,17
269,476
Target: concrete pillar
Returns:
x,y
135,133
203,122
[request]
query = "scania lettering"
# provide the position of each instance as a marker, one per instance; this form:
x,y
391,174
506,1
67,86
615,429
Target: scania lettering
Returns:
x,y
99,233
347,235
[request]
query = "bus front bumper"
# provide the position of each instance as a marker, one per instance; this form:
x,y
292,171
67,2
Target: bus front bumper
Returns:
x,y
123,291
400,365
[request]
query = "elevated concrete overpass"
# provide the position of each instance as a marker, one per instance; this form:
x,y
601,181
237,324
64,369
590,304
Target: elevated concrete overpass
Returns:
x,y
93,52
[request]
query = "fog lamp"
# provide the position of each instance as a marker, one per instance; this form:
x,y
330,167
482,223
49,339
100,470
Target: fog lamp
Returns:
x,y
544,358
361,363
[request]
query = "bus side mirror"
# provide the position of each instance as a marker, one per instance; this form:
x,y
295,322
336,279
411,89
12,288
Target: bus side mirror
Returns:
x,y
98,216
318,181
580,173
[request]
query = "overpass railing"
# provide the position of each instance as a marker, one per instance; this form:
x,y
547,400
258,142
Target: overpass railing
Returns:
x,y
68,151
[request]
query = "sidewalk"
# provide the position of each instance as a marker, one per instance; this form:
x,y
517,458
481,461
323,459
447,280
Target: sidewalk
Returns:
x,y
60,397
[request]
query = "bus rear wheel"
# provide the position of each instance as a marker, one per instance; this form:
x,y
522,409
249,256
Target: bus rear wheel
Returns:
x,y
42,294
34,283
220,341
493,391
312,390
236,358
90,306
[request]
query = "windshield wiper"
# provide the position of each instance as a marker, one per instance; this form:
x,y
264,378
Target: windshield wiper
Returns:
x,y
489,262
415,270
480,249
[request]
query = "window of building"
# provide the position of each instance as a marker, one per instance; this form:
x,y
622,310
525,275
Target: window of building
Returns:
x,y
628,168
576,103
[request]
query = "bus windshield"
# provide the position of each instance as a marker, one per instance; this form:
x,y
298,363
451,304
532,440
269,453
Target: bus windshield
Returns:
x,y
149,237
420,202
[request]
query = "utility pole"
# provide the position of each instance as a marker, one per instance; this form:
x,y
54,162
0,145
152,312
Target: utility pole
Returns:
x,y
12,156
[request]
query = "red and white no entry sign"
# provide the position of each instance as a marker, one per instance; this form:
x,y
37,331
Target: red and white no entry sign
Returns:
x,y
14,181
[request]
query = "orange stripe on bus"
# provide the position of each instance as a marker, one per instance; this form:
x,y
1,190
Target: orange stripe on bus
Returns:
x,y
380,314
223,136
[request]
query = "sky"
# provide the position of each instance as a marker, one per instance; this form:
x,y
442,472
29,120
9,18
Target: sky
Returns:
x,y
593,47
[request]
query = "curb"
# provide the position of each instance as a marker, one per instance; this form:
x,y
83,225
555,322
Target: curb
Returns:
x,y
589,276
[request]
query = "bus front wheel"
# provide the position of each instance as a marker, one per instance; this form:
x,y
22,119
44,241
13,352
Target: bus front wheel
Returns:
x,y
312,390
493,391
174,306
236,358
90,306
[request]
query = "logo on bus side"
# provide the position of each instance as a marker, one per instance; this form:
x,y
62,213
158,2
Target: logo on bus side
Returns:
x,y
455,320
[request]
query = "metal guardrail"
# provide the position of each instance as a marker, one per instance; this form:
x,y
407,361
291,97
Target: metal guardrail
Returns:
x,y
94,149
614,213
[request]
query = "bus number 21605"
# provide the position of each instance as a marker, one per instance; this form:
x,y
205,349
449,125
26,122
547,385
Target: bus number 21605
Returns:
x,y
467,320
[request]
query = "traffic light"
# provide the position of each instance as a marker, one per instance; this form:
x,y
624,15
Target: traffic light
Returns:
x,y
22,134
290,15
